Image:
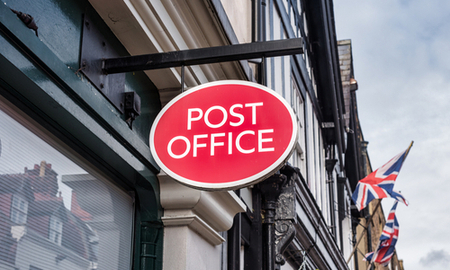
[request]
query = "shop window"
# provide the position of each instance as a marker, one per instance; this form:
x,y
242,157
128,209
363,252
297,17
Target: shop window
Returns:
x,y
55,213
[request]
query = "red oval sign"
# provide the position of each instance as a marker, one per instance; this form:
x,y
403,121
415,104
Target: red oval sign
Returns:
x,y
223,135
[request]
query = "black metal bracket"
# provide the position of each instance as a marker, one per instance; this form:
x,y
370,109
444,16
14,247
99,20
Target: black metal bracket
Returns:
x,y
95,48
278,192
101,64
204,56
132,103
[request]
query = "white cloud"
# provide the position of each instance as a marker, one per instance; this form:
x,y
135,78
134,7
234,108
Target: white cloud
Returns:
x,y
436,258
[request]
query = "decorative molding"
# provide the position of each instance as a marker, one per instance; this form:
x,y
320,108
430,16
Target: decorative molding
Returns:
x,y
206,213
284,234
284,218
196,224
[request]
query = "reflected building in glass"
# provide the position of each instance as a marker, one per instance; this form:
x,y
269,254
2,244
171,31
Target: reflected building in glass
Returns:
x,y
37,231
35,221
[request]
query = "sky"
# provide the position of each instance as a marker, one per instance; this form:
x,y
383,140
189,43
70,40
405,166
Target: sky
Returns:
x,y
401,58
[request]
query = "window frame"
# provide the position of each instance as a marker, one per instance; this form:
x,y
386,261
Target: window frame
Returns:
x,y
16,209
52,231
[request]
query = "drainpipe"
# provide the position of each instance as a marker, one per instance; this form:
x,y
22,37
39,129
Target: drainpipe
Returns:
x,y
269,234
329,165
262,20
271,187
261,36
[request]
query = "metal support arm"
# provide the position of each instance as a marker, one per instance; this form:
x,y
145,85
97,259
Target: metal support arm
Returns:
x,y
101,64
204,56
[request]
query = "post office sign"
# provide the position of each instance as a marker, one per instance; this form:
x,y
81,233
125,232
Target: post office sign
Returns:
x,y
224,135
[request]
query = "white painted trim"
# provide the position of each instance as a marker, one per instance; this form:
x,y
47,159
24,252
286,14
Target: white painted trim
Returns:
x,y
206,213
196,224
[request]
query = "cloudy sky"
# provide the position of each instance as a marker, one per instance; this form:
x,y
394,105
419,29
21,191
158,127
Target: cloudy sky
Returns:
x,y
401,53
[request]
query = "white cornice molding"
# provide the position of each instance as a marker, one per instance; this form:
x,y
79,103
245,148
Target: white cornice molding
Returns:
x,y
196,224
219,208
205,212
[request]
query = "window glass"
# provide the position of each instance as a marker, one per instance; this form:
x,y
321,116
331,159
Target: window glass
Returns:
x,y
53,213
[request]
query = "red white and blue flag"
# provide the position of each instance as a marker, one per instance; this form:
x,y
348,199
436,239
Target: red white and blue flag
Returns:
x,y
380,183
388,239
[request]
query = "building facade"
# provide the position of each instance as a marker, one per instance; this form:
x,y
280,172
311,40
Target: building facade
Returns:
x,y
96,199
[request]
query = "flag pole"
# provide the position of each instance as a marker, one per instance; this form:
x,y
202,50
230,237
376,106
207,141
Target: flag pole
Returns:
x,y
407,150
365,228
374,254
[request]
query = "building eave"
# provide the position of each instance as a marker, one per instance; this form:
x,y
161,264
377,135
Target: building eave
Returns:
x,y
145,27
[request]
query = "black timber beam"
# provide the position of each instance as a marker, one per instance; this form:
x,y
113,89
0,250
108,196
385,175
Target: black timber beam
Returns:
x,y
325,62
204,56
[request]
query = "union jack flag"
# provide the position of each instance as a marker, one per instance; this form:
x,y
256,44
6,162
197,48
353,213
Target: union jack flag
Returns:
x,y
380,183
388,239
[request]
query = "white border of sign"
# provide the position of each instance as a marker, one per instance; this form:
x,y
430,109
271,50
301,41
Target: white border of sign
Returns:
x,y
239,183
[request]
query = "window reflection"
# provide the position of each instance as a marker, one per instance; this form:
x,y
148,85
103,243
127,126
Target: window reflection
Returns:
x,y
50,220
55,233
19,209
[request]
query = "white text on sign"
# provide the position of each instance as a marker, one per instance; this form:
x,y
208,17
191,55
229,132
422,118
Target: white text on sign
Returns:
x,y
260,138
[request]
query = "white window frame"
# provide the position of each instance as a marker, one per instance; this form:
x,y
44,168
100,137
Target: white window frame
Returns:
x,y
55,229
19,209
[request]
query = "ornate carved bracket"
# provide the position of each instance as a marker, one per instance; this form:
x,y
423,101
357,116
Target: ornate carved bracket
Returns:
x,y
285,216
279,212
